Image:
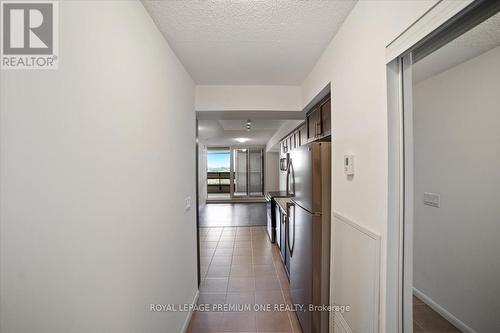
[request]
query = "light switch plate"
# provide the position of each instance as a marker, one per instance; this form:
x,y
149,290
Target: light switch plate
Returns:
x,y
187,203
349,165
432,199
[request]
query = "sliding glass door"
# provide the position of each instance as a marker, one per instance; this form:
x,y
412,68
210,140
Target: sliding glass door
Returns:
x,y
255,172
240,172
248,171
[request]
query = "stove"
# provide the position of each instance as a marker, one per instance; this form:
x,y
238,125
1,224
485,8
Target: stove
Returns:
x,y
271,213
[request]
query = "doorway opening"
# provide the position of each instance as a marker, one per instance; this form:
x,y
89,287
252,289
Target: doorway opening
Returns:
x,y
234,173
448,177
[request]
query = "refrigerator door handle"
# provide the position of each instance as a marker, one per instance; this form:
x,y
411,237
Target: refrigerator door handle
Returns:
x,y
290,248
290,179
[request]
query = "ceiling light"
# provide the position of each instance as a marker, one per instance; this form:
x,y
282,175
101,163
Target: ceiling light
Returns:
x,y
242,140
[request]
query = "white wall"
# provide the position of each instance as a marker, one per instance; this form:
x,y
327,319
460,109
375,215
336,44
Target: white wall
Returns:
x,y
457,154
271,172
248,98
96,160
354,63
273,145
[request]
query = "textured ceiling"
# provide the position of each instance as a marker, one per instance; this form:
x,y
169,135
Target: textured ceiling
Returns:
x,y
474,42
224,132
248,42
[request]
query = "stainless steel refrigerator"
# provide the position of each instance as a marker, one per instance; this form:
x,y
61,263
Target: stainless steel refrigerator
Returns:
x,y
308,232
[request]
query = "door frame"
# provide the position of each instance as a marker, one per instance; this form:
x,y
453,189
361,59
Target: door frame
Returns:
x,y
263,177
197,189
231,149
445,21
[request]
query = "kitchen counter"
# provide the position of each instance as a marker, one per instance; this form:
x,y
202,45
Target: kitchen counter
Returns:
x,y
276,194
282,203
273,214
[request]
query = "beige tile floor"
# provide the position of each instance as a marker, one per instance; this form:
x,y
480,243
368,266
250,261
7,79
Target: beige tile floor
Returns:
x,y
239,265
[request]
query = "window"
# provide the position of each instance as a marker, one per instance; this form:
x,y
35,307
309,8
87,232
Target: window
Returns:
x,y
218,161
218,170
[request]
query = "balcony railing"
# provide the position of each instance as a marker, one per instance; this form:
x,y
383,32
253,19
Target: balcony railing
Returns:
x,y
218,182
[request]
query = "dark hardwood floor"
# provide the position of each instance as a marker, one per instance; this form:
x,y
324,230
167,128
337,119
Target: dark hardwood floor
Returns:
x,y
429,321
233,215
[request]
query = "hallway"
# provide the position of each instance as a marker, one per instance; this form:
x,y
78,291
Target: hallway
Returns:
x,y
211,166
240,266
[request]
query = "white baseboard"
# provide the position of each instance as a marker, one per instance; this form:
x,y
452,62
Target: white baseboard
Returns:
x,y
340,325
443,312
190,313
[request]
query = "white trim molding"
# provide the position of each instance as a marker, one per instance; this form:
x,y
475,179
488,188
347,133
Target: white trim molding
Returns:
x,y
339,324
190,313
394,268
355,283
367,231
443,312
427,23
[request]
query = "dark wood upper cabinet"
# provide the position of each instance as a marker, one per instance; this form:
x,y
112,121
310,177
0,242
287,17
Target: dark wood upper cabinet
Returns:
x,y
326,117
302,135
283,147
317,126
313,122
319,120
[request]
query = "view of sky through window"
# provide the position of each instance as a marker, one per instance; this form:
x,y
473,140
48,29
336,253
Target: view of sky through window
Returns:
x,y
218,161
